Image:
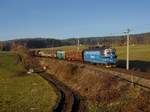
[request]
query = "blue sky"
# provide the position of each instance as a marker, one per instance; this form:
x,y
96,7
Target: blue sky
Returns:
x,y
72,18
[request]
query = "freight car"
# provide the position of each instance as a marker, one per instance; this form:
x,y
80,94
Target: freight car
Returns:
x,y
53,53
60,54
105,56
74,56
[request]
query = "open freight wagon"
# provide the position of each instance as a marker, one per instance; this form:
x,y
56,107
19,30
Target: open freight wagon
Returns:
x,y
74,55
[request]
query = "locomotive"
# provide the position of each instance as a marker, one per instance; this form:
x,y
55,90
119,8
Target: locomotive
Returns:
x,y
106,56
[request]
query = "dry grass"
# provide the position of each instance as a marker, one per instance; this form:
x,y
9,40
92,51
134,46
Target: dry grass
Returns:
x,y
102,91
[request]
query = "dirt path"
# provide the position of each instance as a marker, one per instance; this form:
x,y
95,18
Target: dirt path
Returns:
x,y
70,100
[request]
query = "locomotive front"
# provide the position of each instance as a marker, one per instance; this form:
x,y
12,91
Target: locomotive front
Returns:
x,y
110,56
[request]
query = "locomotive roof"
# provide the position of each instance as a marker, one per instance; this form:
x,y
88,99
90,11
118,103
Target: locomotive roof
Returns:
x,y
97,49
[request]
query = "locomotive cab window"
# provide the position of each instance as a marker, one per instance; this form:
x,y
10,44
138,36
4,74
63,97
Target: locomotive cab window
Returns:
x,y
108,52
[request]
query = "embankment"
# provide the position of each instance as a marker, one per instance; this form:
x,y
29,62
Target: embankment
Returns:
x,y
100,90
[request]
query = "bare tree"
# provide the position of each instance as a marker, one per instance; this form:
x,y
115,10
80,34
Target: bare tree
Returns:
x,y
1,46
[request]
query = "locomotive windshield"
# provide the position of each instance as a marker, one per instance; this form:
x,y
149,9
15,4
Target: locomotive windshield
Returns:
x,y
108,52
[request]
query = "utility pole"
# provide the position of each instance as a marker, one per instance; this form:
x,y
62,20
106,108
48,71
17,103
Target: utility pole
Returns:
x,y
128,39
78,44
127,63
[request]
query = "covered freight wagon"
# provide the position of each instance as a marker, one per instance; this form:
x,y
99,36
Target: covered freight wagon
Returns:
x,y
105,56
60,54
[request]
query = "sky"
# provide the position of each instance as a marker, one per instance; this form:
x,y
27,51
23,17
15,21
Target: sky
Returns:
x,y
72,18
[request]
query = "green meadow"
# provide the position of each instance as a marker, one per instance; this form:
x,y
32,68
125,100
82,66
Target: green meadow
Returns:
x,y
137,52
21,92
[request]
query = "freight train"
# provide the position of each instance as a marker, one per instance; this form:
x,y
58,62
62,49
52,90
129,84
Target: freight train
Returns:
x,y
97,55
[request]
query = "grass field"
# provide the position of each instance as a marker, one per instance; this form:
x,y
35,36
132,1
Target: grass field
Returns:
x,y
20,92
66,48
137,52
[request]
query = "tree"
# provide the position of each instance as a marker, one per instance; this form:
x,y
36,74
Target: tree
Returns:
x,y
18,47
1,46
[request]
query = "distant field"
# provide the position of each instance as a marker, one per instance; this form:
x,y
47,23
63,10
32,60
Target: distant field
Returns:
x,y
20,92
66,48
137,52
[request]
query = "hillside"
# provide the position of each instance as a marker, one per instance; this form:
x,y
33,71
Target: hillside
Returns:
x,y
143,38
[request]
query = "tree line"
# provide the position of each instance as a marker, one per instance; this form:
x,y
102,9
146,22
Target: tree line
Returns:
x,y
143,38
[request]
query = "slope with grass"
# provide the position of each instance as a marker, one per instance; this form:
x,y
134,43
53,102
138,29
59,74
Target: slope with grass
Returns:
x,y
20,92
101,91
